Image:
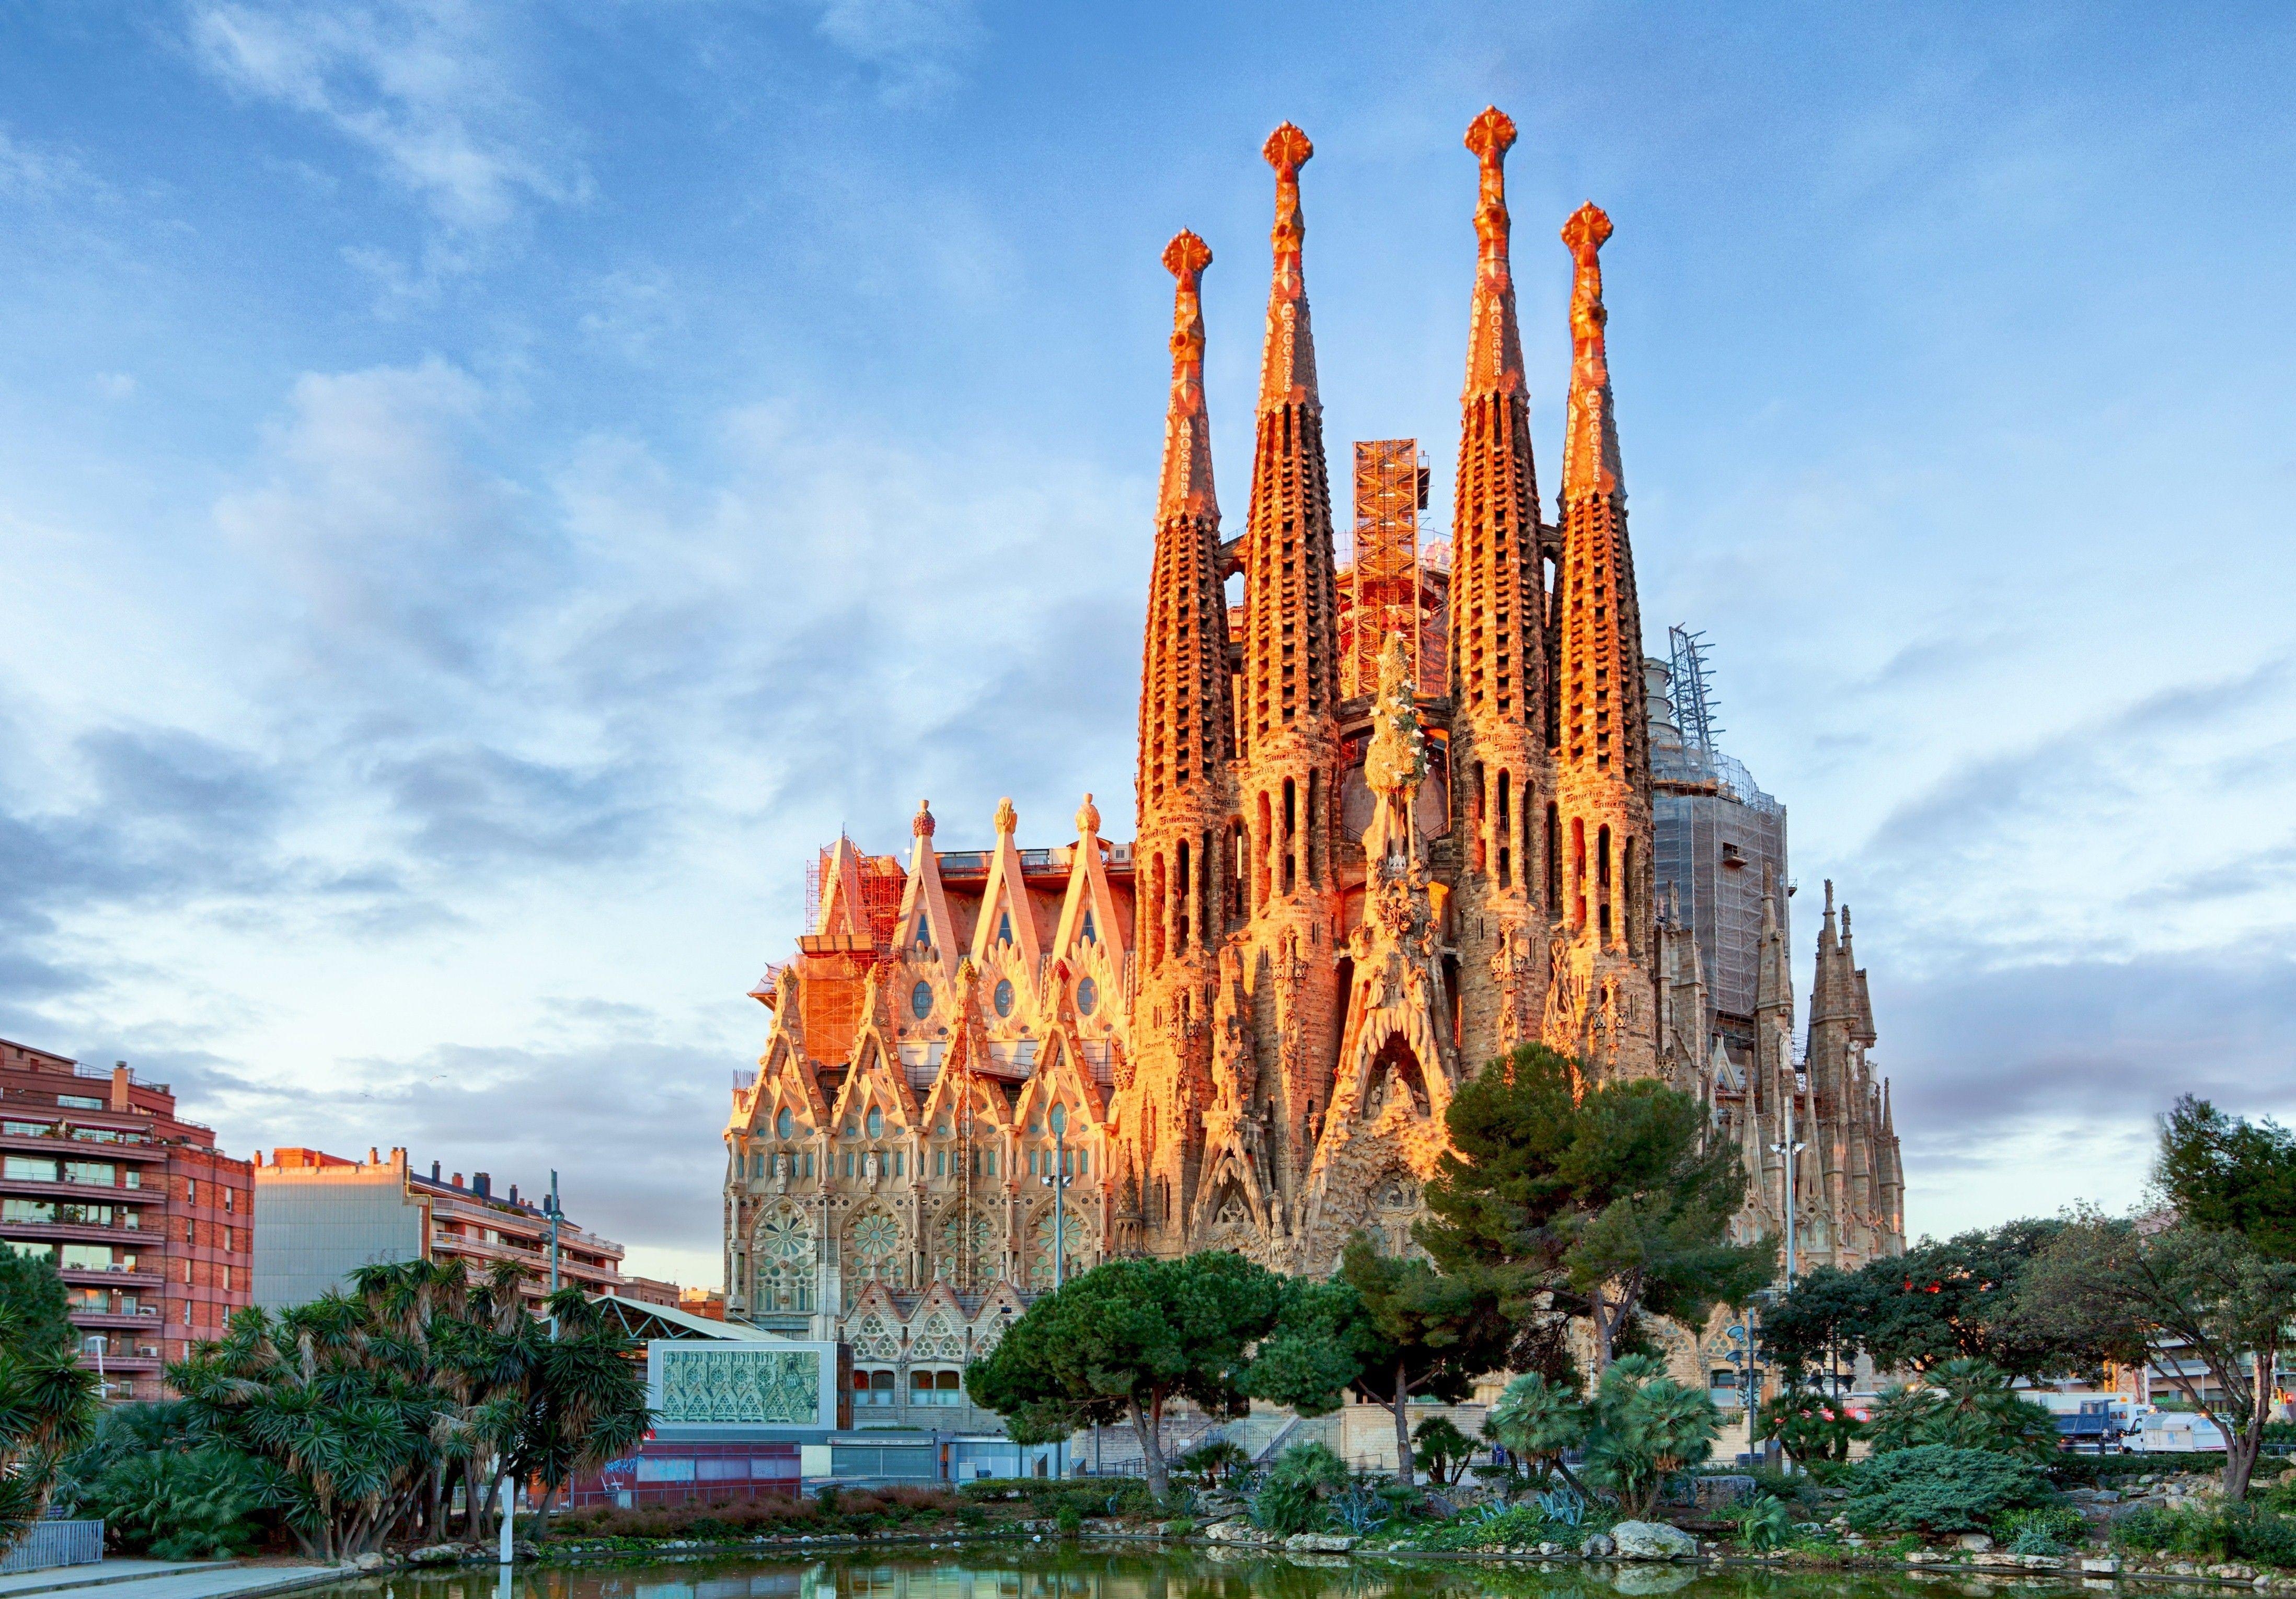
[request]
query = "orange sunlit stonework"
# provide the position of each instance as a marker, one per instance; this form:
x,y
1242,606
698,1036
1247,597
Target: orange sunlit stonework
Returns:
x,y
1393,819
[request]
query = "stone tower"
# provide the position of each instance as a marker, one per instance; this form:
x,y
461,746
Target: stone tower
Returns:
x,y
1288,749
1184,797
1501,781
1600,994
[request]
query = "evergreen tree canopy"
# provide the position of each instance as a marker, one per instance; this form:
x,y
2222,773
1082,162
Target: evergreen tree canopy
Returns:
x,y
1605,1195
32,1297
2231,1175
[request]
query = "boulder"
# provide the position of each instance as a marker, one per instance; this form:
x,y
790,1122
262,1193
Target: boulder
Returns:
x,y
1235,1532
1597,1545
372,1563
1319,1543
1976,1543
1652,1540
438,1555
1721,1492
2103,1565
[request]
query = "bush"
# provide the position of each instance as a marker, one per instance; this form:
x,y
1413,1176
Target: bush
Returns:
x,y
2236,1532
1764,1523
1936,1487
2040,1529
851,1509
1293,1496
202,1504
1491,1527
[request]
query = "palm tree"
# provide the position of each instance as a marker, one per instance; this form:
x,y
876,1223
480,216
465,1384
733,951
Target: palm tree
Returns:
x,y
48,1407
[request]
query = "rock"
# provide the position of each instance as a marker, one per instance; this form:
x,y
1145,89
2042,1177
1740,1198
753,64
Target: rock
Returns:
x,y
1641,1582
1597,1545
1652,1540
1915,1557
1319,1543
1976,1543
1550,1549
2041,1562
1235,1532
1722,1492
372,1563
2101,1566
438,1555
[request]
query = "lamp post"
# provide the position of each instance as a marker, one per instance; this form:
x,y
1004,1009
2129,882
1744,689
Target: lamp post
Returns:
x,y
553,1248
1057,1180
1792,1151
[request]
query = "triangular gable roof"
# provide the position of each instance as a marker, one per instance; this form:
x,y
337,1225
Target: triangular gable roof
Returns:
x,y
1062,1075
1004,901
1089,895
842,910
924,900
876,1062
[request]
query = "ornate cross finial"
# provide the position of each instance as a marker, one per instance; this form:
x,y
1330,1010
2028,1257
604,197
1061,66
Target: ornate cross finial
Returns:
x,y
1288,366
1007,818
1490,136
1187,485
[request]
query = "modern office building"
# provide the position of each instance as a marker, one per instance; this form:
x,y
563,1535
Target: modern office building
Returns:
x,y
148,1223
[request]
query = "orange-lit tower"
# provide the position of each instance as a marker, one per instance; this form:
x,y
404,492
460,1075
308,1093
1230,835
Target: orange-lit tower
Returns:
x,y
1183,790
1502,786
1287,737
1601,1005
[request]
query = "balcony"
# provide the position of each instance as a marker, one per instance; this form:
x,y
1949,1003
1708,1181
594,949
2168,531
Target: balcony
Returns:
x,y
111,1277
113,1316
64,1145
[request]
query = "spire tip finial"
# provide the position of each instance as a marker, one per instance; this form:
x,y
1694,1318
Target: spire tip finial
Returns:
x,y
1490,136
1587,232
1287,149
1186,253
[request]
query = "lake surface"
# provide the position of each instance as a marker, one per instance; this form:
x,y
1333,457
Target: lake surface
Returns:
x,y
1087,1571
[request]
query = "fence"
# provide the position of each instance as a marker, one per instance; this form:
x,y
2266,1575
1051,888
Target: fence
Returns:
x,y
55,1543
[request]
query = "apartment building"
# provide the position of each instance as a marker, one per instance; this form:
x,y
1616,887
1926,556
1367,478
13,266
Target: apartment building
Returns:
x,y
319,1217
148,1223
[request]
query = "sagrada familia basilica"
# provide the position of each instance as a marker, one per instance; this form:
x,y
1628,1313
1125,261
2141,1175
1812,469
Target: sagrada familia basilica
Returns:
x,y
1381,839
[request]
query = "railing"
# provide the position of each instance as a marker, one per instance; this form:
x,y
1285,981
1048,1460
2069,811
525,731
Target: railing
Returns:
x,y
55,1543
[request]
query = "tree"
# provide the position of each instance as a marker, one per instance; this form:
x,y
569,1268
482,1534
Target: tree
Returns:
x,y
1964,1299
2225,1174
32,1296
1646,1427
1811,1425
1442,1451
586,1405
2212,1297
1967,1404
48,1405
1820,1321
1607,1198
1391,1328
1538,1420
1123,1340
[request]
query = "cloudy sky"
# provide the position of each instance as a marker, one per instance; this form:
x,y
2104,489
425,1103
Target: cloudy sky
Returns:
x,y
485,490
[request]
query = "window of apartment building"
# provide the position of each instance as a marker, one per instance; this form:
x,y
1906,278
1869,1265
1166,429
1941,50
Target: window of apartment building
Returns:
x,y
27,1168
78,1102
96,1135
86,1216
873,1388
25,1129
35,1251
93,1173
227,1197
191,1192
24,1209
87,1257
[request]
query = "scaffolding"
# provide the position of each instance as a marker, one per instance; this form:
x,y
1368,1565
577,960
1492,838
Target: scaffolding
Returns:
x,y
1383,598
883,880
1695,708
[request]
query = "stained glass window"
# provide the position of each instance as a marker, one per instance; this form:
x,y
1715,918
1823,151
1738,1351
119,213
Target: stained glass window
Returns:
x,y
920,997
1004,996
1088,996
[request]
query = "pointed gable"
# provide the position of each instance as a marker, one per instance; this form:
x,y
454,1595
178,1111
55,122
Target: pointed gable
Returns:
x,y
1091,920
926,930
1007,926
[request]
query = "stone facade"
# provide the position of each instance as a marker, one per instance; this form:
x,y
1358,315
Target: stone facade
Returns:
x,y
1243,1030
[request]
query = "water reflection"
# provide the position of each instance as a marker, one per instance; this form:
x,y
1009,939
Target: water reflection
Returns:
x,y
1088,1571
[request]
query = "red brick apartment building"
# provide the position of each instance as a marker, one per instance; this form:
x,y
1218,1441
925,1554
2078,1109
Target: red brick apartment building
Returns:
x,y
149,1224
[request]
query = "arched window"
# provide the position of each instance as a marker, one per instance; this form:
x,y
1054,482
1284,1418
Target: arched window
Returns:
x,y
877,1122
1088,996
921,1001
1004,996
784,1124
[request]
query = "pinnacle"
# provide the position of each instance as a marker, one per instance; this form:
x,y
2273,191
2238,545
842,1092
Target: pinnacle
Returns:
x,y
1287,370
1490,136
1287,149
1186,488
1186,254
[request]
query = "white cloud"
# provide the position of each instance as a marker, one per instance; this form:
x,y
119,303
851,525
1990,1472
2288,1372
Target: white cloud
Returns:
x,y
916,46
428,86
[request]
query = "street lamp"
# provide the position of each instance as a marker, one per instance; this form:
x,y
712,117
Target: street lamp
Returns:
x,y
1057,1180
1790,1150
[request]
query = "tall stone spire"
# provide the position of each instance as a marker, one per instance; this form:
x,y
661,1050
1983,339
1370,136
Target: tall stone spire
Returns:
x,y
1603,763
1501,779
1287,736
1183,677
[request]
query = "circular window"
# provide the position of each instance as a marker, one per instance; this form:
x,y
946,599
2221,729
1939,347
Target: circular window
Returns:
x,y
921,1001
1004,996
784,1124
1088,996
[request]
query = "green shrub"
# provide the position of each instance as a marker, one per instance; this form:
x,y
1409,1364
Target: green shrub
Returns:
x,y
2247,1532
2040,1529
202,1504
1764,1523
1937,1487
1293,1496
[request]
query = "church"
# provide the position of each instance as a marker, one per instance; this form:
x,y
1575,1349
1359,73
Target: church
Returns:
x,y
1395,817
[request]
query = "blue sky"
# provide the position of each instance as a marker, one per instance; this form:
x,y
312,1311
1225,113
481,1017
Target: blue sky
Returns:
x,y
486,491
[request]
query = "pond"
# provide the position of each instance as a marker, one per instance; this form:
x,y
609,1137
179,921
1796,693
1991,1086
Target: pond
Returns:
x,y
1089,1571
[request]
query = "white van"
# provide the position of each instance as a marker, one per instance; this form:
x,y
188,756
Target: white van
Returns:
x,y
2171,1432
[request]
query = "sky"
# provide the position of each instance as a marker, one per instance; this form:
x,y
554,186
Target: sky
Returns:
x,y
486,491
